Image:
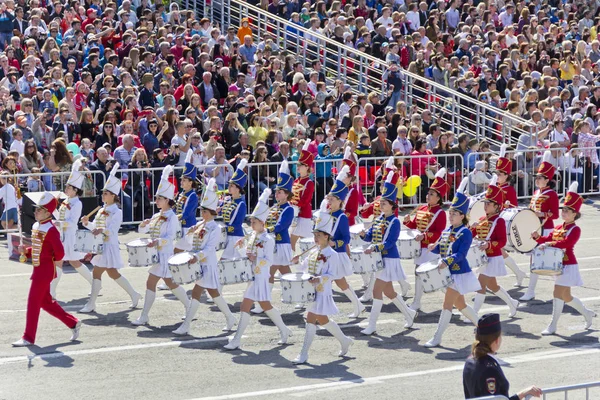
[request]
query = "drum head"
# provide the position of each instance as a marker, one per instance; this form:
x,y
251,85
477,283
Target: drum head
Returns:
x,y
408,234
296,277
143,242
181,258
519,230
356,229
428,266
476,210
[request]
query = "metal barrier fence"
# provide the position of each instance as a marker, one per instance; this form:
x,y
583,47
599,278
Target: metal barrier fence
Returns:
x,y
563,390
364,73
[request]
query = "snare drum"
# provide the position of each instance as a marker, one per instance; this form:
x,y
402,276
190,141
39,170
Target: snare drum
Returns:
x,y
86,242
183,270
520,222
432,278
306,243
476,207
295,288
476,257
140,255
223,239
365,263
355,239
236,270
547,261
408,247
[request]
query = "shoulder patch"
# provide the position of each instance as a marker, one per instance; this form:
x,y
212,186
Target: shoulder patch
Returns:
x,y
491,385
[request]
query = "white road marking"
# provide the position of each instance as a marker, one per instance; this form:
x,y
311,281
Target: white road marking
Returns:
x,y
300,391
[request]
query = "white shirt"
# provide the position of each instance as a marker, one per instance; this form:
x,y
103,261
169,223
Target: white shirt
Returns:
x,y
387,22
556,136
414,19
8,195
19,146
182,154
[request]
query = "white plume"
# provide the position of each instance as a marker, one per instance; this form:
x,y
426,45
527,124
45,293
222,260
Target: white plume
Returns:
x,y
390,176
305,146
284,168
188,156
503,149
324,205
463,185
212,185
348,154
167,171
114,169
76,165
344,173
441,173
264,196
573,187
242,164
547,156
389,164
494,181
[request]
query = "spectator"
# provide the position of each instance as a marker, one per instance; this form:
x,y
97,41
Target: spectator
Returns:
x,y
218,167
381,146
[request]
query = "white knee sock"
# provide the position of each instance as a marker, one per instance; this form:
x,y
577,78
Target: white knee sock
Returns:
x,y
85,272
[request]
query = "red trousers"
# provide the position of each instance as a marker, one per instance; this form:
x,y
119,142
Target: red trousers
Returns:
x,y
40,298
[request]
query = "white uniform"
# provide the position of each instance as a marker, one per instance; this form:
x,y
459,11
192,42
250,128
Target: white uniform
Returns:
x,y
264,247
324,264
109,218
69,214
204,245
166,232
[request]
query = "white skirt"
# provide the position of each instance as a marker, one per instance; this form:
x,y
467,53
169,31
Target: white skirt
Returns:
x,y
392,271
259,289
69,244
425,256
495,267
570,276
110,257
230,250
283,254
324,304
303,228
184,243
210,277
465,283
161,269
345,267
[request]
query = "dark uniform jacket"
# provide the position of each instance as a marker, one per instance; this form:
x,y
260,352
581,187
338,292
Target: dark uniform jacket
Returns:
x,y
484,377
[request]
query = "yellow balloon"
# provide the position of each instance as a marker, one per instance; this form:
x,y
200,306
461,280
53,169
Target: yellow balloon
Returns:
x,y
411,186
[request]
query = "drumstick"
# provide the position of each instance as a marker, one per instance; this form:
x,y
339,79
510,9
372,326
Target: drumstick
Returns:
x,y
22,257
200,225
303,253
94,211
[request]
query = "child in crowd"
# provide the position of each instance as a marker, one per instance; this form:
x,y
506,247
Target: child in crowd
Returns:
x,y
86,150
34,181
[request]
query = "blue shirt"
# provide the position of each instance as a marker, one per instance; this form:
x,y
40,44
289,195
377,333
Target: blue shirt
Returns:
x,y
455,257
341,235
234,212
186,206
384,234
279,221
247,53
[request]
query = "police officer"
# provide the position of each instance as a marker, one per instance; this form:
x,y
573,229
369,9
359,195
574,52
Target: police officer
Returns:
x,y
482,375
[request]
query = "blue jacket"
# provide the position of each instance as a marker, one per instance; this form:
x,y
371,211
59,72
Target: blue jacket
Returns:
x,y
234,212
384,234
323,169
187,208
279,221
341,236
455,257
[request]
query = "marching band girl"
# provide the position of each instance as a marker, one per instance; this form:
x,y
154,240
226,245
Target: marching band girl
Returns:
x,y
68,216
303,190
260,252
234,211
107,223
453,247
545,204
384,234
504,172
341,239
163,228
430,220
355,197
565,237
206,236
322,265
187,202
491,232
278,223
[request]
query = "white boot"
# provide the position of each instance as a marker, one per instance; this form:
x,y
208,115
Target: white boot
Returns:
x,y
184,328
162,286
366,278
182,296
148,301
224,308
409,315
85,272
581,309
337,333
478,301
520,275
416,304
358,307
375,310
557,308
135,296
309,335
368,294
404,288
436,340
470,314
512,303
530,292
91,304
284,331
257,308
55,281
236,342
209,299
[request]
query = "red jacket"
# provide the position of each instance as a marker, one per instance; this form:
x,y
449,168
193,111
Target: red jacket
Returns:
x,y
373,208
564,237
546,201
303,190
496,239
510,195
425,215
45,250
354,200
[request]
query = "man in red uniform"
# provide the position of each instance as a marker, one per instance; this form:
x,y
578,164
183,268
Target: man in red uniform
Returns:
x,y
46,250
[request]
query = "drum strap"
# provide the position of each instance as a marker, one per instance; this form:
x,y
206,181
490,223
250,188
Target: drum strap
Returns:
x,y
432,220
232,217
491,229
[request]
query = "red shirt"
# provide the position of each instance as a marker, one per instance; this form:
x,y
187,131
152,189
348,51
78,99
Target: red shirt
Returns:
x,y
423,222
510,194
46,249
564,237
496,239
374,209
303,190
546,201
354,200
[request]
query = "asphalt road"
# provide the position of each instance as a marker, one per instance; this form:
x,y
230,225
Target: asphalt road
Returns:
x,y
116,360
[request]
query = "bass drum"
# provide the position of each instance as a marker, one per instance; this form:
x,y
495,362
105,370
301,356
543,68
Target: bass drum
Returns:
x,y
520,223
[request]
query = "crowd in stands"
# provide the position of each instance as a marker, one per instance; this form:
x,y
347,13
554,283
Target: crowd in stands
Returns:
x,y
143,82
